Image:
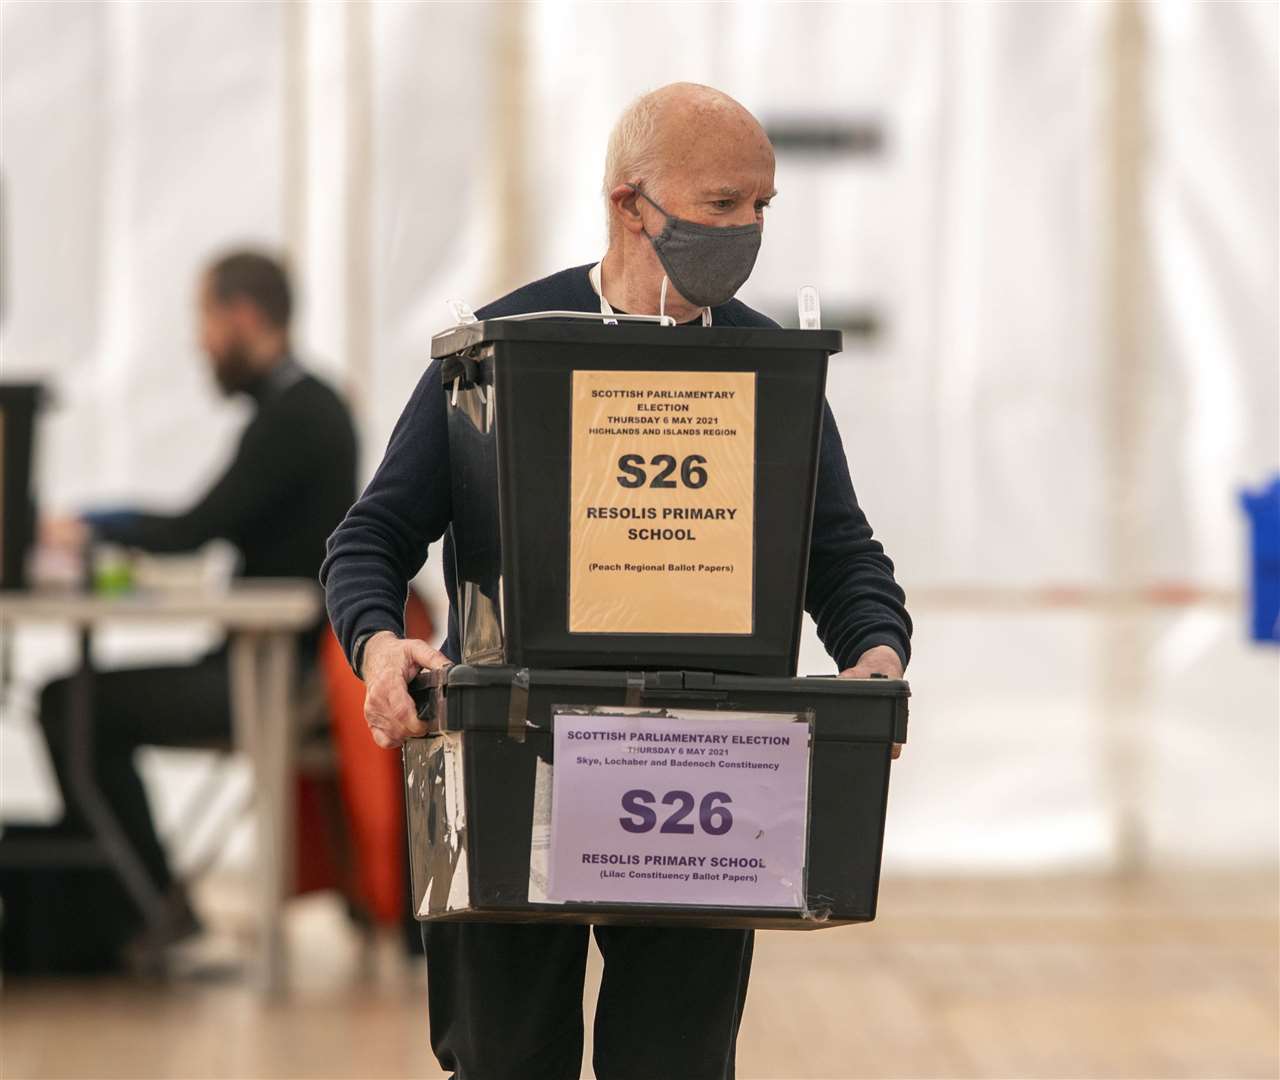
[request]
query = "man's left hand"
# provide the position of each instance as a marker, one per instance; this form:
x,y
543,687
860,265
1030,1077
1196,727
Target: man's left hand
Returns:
x,y
64,533
880,660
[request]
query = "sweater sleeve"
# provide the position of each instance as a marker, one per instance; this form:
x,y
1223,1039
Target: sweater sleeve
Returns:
x,y
851,593
383,541
274,455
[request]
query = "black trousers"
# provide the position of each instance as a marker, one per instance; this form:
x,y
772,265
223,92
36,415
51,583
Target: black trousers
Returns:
x,y
506,1000
153,706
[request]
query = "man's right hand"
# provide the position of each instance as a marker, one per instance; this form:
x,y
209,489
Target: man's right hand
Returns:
x,y
390,663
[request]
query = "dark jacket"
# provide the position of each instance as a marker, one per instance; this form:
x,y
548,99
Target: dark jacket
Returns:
x,y
383,541
292,479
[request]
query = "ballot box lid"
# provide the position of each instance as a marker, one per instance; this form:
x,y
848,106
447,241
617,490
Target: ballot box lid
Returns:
x,y
563,329
862,709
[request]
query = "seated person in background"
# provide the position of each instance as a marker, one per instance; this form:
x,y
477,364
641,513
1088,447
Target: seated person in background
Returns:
x,y
290,483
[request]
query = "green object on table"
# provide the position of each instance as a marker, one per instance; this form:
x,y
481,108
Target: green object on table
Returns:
x,y
112,572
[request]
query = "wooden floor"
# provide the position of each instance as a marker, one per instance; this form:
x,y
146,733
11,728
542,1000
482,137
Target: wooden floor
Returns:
x,y
1073,977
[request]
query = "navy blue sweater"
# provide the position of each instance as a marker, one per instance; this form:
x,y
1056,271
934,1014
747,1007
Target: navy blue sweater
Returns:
x,y
383,541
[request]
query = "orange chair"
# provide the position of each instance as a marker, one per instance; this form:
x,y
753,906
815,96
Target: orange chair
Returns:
x,y
349,798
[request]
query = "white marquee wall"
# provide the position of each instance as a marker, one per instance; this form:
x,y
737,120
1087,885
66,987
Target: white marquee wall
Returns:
x,y
408,153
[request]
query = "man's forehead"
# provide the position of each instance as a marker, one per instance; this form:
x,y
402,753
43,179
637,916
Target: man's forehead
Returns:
x,y
729,191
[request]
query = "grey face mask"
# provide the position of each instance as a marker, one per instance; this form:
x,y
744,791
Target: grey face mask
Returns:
x,y
706,263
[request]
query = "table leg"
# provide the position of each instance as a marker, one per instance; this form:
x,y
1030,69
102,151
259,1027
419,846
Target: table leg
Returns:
x,y
245,692
273,758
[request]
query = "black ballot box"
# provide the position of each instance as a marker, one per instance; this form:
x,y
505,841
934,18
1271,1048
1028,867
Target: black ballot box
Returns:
x,y
632,496
659,797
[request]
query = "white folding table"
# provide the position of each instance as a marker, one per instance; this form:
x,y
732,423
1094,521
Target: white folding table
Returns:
x,y
261,619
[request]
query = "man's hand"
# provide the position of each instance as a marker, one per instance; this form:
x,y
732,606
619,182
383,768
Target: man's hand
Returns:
x,y
880,660
390,663
64,533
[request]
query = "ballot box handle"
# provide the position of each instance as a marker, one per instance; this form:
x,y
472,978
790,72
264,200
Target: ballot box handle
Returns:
x,y
466,328
592,316
427,690
683,697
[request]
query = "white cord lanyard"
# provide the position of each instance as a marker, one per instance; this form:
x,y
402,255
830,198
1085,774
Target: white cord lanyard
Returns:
x,y
606,309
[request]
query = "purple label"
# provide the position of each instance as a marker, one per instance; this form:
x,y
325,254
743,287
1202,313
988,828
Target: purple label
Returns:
x,y
698,808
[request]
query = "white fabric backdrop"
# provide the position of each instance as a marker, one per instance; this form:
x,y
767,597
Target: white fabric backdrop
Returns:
x,y
140,138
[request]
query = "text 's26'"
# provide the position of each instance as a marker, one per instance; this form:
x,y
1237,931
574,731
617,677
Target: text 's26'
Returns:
x,y
634,474
714,815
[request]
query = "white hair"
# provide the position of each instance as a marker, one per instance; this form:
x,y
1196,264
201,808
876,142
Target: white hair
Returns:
x,y
633,152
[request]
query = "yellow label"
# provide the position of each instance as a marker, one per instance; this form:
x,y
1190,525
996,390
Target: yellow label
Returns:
x,y
662,502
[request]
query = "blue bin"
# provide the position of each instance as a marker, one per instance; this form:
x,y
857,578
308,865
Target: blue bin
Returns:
x,y
1263,508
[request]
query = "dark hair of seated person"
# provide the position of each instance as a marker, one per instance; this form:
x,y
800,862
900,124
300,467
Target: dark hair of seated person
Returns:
x,y
257,278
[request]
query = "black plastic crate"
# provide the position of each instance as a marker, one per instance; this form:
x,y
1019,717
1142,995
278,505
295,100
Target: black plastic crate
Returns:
x,y
481,792
633,496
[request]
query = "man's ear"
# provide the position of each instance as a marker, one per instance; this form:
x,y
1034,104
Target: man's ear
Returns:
x,y
626,206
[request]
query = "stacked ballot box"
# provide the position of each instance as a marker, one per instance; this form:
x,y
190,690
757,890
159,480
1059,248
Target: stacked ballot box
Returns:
x,y
625,740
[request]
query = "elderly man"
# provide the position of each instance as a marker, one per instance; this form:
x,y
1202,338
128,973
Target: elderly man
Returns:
x,y
688,176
